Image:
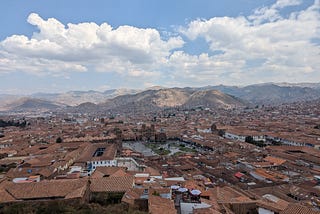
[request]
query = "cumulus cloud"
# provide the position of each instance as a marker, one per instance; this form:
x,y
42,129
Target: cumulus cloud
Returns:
x,y
81,46
263,46
271,14
276,48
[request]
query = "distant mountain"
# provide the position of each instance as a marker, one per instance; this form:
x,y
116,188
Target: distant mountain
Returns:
x,y
271,93
158,97
232,90
73,98
214,98
31,105
156,87
302,85
6,99
152,100
83,107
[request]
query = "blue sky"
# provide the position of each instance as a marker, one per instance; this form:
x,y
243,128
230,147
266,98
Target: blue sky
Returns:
x,y
58,45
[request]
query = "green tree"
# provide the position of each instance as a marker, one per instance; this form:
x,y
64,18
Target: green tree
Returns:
x,y
59,140
249,139
221,132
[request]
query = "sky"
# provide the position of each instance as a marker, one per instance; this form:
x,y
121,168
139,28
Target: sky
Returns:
x,y
58,46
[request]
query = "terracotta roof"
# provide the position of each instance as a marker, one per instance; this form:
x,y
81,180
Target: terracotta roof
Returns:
x,y
152,171
111,184
47,189
47,172
231,154
108,171
23,172
274,160
119,173
192,184
8,151
49,150
90,139
308,150
6,197
97,174
158,205
131,195
276,205
298,209
88,153
262,164
78,193
40,161
11,160
228,195
160,190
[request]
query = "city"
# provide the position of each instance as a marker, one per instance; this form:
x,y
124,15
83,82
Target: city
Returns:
x,y
156,107
199,160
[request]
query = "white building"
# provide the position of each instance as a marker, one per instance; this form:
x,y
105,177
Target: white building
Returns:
x,y
98,154
231,136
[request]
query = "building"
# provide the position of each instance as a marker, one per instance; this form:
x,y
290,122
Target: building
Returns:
x,y
97,155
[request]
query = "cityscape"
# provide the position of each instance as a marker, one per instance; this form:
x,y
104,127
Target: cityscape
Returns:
x,y
107,108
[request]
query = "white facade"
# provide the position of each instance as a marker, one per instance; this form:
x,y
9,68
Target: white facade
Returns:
x,y
2,146
259,138
287,142
92,165
242,138
235,137
130,163
103,163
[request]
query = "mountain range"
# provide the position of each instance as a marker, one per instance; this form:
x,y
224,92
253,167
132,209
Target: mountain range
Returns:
x,y
74,98
272,94
154,98
27,104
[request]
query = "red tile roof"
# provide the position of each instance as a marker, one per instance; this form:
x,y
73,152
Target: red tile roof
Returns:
x,y
158,205
111,184
88,153
108,171
274,160
131,195
48,189
298,209
6,197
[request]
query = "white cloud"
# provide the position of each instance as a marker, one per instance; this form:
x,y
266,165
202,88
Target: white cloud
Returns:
x,y
286,3
78,47
282,47
264,46
265,14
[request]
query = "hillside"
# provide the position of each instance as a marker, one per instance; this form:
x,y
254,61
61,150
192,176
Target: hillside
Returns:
x,y
153,100
74,98
213,98
271,93
32,105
